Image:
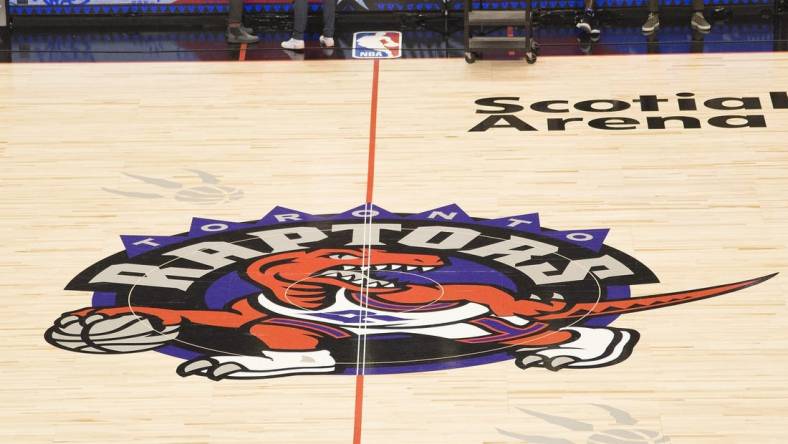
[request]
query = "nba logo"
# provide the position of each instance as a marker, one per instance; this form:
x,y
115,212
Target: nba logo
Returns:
x,y
377,45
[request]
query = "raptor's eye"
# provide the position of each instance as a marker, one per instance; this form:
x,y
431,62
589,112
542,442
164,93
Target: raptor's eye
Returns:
x,y
343,257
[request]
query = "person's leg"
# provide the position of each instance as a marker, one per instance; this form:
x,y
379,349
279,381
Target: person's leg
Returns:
x,y
329,16
588,22
236,32
236,12
296,42
300,9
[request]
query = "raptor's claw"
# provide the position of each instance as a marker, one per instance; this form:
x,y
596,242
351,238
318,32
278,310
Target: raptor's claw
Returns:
x,y
528,361
95,317
68,319
589,347
194,367
269,364
225,370
559,362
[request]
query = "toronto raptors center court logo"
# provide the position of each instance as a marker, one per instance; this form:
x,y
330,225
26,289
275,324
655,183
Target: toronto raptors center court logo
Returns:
x,y
295,293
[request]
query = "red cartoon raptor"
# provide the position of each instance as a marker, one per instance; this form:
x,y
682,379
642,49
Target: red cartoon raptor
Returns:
x,y
308,289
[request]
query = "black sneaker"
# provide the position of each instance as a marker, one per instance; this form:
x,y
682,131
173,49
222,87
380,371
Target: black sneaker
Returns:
x,y
238,34
699,22
588,23
651,25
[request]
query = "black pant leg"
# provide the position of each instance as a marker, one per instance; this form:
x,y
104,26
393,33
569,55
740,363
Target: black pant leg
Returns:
x,y
329,16
236,11
300,15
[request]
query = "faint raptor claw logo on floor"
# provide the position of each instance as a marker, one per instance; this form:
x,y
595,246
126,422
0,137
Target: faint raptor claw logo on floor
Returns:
x,y
625,431
209,191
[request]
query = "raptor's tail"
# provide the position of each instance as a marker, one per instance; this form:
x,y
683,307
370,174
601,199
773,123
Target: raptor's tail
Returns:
x,y
648,302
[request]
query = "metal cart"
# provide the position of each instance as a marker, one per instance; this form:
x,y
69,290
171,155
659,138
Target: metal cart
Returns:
x,y
520,18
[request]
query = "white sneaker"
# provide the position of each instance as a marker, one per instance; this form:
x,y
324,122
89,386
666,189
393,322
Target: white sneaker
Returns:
x,y
328,42
293,44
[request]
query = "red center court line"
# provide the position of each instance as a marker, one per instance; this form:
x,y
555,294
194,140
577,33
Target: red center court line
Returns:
x,y
373,117
242,52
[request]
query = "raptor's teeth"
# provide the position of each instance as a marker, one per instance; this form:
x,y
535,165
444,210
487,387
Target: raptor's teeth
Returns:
x,y
534,297
348,267
426,268
373,284
346,277
409,268
358,281
558,296
389,285
380,267
396,267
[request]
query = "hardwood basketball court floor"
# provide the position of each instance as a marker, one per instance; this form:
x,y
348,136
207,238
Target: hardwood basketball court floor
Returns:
x,y
91,152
